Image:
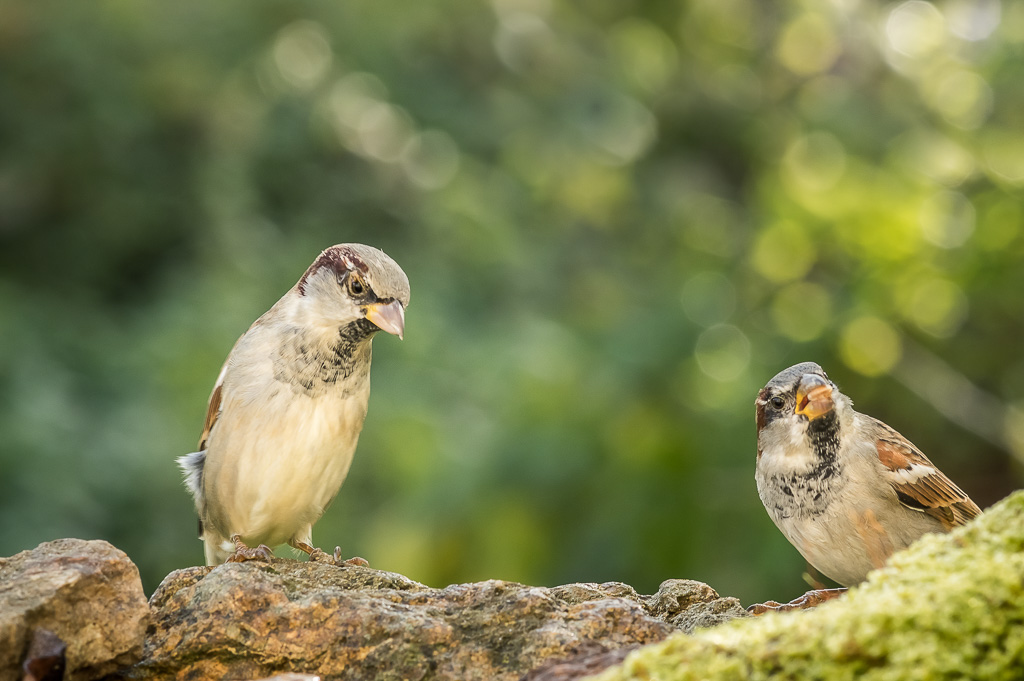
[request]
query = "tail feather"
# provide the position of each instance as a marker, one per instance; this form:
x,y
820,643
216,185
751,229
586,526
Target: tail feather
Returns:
x,y
192,466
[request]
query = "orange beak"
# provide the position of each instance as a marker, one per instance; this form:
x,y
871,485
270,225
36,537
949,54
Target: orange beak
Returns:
x,y
813,397
389,317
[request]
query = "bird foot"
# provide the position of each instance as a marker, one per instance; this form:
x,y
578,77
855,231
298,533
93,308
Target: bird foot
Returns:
x,y
808,600
320,556
245,553
354,561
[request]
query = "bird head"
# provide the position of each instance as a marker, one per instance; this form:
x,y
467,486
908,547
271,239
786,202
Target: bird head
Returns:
x,y
800,406
357,287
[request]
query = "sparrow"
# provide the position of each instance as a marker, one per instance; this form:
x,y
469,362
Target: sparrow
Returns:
x,y
286,411
844,488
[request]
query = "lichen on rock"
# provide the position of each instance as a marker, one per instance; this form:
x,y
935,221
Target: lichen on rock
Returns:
x,y
949,607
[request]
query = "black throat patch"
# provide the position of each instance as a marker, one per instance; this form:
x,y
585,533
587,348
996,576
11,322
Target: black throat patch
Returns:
x,y
809,494
824,435
313,368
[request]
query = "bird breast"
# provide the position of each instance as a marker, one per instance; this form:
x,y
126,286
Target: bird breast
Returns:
x,y
277,456
793,480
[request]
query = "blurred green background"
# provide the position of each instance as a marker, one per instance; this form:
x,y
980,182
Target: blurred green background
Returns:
x,y
619,218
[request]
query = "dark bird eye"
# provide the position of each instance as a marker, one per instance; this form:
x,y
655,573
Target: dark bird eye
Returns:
x,y
355,286
777,402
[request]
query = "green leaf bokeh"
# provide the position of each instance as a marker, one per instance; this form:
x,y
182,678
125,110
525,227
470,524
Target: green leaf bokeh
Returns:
x,y
619,219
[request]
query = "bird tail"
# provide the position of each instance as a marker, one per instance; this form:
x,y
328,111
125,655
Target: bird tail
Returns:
x,y
216,547
192,466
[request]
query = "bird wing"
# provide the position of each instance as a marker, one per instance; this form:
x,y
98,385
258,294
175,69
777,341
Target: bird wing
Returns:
x,y
213,406
919,485
193,464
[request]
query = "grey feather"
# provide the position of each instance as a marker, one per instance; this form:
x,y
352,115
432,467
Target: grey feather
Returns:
x,y
192,466
791,376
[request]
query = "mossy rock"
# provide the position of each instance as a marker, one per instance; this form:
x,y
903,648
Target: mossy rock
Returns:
x,y
949,607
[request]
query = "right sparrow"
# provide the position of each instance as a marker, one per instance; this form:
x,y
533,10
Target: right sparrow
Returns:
x,y
846,489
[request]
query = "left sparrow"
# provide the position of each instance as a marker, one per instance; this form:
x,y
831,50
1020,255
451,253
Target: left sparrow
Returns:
x,y
286,411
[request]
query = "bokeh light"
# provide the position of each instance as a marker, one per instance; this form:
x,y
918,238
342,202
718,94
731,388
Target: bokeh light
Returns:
x,y
870,346
619,221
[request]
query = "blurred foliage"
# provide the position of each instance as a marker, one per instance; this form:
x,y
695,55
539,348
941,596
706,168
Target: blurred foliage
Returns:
x,y
619,219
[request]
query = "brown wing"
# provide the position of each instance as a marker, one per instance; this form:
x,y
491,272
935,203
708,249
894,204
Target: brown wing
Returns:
x,y
919,484
213,406
212,409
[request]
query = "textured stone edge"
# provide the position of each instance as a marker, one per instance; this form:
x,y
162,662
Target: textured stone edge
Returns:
x,y
950,606
73,567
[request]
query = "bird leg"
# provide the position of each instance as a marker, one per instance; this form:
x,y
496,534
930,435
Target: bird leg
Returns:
x,y
808,600
318,555
243,553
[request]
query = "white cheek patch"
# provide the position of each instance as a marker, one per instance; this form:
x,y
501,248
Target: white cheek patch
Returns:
x,y
914,473
784,446
797,432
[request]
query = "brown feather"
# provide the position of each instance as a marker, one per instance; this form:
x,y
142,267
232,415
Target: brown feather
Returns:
x,y
340,258
212,412
213,406
933,492
876,540
761,419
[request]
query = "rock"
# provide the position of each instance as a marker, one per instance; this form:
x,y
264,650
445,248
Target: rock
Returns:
x,y
253,620
584,663
44,660
85,595
949,607
690,605
683,603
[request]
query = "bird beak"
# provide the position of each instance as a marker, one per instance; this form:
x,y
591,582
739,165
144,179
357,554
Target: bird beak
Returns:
x,y
813,397
389,317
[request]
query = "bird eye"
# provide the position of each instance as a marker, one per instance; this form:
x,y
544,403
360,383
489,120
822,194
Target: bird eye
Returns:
x,y
777,403
355,285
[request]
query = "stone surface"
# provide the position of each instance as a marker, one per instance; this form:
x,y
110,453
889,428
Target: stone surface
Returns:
x,y
683,603
44,660
583,664
689,605
86,593
254,620
949,607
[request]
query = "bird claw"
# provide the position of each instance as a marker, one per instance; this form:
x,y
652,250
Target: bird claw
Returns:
x,y
762,608
354,561
244,553
320,556
808,600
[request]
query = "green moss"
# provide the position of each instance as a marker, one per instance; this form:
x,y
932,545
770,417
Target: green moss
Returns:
x,y
949,607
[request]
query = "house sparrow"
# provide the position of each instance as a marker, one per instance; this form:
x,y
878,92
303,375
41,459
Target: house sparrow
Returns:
x,y
846,489
287,408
